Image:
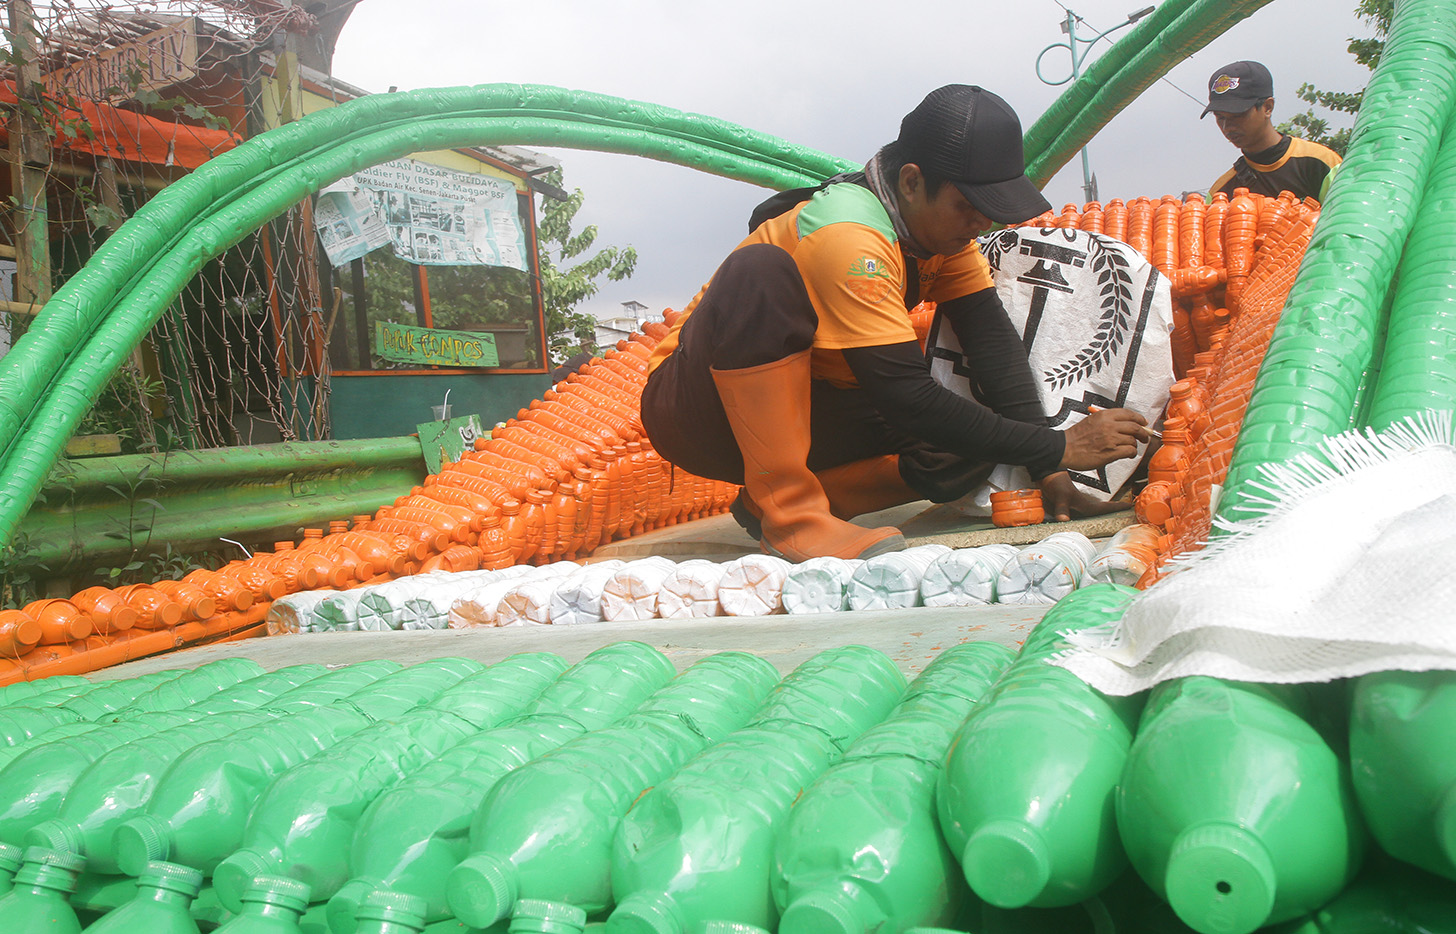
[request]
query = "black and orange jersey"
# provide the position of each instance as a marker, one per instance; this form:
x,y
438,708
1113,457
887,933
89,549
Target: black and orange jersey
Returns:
x,y
1293,164
845,247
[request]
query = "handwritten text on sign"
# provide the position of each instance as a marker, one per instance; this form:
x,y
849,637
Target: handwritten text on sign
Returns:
x,y
433,346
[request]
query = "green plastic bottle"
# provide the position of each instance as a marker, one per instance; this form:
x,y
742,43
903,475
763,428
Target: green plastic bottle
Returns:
x,y
257,692
118,785
413,835
1403,758
305,820
113,696
34,784
197,813
861,850
418,684
10,857
545,831
386,912
1233,808
193,686
38,900
699,846
1041,735
271,905
164,893
490,697
23,692
1391,898
325,689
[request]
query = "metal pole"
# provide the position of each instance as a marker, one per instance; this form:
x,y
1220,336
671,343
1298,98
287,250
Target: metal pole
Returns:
x,y
1088,194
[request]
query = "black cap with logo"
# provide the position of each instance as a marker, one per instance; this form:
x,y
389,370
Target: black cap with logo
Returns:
x,y
970,136
1235,88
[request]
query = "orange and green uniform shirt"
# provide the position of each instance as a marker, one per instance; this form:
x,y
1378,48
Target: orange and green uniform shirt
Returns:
x,y
1293,164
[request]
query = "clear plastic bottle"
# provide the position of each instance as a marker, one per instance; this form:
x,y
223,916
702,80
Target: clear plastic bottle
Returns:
x,y
546,830
271,905
690,590
672,868
861,850
39,898
819,585
892,581
631,592
965,576
753,585
578,599
164,893
1047,571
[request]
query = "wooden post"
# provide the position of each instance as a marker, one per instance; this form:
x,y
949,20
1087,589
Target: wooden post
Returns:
x,y
30,161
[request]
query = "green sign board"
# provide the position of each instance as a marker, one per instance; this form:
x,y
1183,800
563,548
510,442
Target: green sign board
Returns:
x,y
433,346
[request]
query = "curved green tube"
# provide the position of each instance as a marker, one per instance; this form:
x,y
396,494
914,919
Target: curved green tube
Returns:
x,y
1326,337
140,270
1104,96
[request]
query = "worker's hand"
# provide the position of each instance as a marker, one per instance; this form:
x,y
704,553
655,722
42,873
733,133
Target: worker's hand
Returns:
x,y
1102,437
1062,499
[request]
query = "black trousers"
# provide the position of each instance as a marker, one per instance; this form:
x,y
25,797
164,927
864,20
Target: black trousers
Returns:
x,y
757,311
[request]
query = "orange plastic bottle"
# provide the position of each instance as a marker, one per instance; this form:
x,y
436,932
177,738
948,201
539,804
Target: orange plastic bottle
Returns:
x,y
1170,461
1213,219
1092,217
228,593
513,523
61,621
108,611
19,632
196,604
1114,219
1184,402
155,610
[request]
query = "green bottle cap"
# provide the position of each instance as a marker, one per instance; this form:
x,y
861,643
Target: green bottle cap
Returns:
x,y
1220,879
281,891
482,889
539,916
646,913
395,907
344,905
233,875
173,877
11,857
140,841
847,909
53,835
1006,863
730,927
52,869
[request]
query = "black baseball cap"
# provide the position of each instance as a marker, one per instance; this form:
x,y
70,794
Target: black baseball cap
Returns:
x,y
1235,88
970,136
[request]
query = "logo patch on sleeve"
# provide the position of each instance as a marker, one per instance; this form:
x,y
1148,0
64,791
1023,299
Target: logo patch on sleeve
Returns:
x,y
869,280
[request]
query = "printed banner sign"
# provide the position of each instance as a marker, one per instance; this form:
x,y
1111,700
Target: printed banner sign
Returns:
x,y
433,346
433,216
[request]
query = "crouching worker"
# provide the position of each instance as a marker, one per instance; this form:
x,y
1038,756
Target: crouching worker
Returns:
x,y
796,372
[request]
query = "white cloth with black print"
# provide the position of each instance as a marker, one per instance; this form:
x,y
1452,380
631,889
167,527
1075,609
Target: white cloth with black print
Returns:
x,y
1096,319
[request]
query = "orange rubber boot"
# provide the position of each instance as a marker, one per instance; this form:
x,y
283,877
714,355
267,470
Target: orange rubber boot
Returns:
x,y
768,410
865,486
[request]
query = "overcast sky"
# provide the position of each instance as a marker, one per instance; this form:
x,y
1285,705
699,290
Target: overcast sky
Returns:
x,y
834,76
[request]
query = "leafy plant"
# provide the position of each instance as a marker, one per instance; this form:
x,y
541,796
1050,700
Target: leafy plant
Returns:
x,y
1367,52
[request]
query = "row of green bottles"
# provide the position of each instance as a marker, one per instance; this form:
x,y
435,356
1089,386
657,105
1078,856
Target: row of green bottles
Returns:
x,y
545,831
198,812
194,686
861,850
699,846
1026,797
305,819
413,835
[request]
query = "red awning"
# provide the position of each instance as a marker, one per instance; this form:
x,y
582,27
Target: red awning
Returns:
x,y
125,134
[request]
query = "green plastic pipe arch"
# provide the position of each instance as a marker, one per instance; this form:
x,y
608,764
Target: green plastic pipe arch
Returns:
x,y
93,322
1326,338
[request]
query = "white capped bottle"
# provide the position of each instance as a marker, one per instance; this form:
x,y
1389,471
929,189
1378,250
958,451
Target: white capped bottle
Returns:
x,y
690,590
965,576
632,591
753,585
892,581
819,585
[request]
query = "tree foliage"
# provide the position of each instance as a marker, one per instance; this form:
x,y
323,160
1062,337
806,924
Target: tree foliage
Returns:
x,y
1316,128
564,283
